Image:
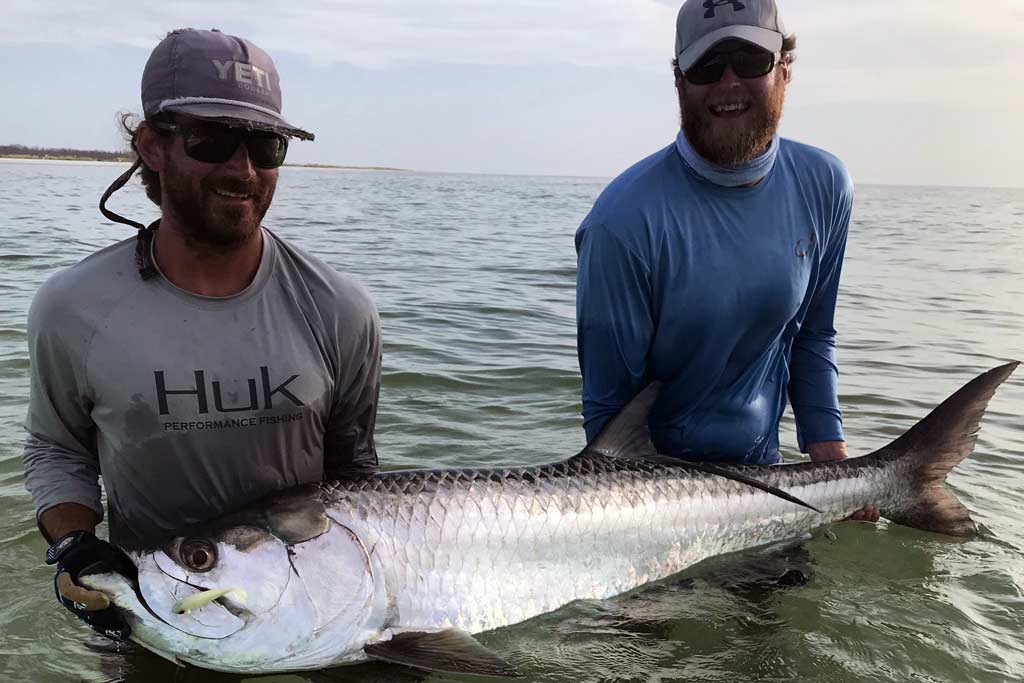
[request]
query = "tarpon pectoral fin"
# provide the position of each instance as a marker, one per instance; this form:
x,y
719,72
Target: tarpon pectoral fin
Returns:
x,y
450,651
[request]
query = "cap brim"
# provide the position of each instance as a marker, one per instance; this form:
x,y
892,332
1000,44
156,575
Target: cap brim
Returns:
x,y
239,116
762,37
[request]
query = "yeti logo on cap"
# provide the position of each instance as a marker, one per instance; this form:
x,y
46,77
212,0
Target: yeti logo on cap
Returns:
x,y
246,76
712,5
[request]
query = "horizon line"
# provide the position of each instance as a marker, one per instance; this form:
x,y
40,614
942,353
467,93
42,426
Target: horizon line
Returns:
x,y
40,158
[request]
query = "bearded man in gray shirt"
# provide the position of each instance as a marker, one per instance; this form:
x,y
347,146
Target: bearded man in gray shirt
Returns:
x,y
207,362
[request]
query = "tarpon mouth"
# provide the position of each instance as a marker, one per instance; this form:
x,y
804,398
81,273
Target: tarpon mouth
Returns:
x,y
231,600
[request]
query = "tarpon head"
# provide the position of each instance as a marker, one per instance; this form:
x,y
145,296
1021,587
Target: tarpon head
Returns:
x,y
278,586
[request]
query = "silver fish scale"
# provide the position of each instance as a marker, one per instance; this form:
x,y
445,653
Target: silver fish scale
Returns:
x,y
477,549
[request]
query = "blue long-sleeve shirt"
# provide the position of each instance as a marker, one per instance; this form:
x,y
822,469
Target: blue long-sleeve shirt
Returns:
x,y
726,295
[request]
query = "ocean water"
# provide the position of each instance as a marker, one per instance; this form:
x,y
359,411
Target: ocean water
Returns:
x,y
474,277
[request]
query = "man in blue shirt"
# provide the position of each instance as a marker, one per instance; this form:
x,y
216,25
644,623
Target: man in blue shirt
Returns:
x,y
713,265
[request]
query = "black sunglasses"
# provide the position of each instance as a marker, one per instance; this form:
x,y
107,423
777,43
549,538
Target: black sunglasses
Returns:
x,y
216,144
745,63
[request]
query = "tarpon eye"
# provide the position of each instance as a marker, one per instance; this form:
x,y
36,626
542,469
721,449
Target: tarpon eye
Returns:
x,y
198,554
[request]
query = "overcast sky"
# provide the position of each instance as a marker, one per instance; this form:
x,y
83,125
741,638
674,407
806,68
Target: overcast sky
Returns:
x,y
905,91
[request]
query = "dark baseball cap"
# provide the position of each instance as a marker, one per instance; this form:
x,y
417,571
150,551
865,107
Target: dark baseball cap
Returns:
x,y
217,77
702,24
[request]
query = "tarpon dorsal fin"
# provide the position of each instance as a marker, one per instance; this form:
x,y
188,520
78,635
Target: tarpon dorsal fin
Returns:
x,y
627,435
449,651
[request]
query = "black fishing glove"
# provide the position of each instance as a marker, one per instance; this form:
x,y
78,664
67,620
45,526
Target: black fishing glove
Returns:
x,y
74,554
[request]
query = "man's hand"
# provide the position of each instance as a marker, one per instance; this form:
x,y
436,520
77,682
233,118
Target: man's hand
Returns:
x,y
74,553
824,451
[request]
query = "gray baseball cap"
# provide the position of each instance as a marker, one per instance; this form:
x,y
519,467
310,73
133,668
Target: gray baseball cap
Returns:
x,y
216,77
702,24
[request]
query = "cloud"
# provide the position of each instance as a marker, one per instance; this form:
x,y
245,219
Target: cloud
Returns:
x,y
917,50
929,34
929,51
903,79
377,33
932,34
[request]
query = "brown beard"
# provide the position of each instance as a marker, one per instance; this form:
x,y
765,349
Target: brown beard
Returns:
x,y
208,227
738,146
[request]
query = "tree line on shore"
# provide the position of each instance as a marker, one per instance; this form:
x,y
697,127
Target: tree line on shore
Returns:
x,y
26,152
63,153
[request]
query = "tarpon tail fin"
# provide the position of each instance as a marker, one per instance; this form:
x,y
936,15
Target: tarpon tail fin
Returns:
x,y
932,448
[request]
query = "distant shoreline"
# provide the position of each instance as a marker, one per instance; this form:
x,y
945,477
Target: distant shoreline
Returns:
x,y
23,153
39,155
20,157
352,168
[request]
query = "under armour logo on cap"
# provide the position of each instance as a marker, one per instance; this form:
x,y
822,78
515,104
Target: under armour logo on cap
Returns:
x,y
712,5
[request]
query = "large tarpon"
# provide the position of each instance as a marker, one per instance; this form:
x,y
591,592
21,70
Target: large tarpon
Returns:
x,y
403,566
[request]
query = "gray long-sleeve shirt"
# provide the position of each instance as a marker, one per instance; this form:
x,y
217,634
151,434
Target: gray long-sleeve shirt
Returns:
x,y
190,406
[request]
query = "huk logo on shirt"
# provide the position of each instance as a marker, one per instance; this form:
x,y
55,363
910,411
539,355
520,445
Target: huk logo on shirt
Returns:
x,y
804,247
245,76
262,393
713,5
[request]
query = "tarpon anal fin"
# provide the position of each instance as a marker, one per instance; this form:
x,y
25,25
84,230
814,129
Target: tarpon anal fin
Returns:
x,y
627,436
449,651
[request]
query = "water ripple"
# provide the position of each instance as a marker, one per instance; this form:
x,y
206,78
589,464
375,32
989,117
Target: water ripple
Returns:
x,y
474,278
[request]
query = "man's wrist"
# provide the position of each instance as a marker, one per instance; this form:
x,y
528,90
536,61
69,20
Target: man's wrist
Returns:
x,y
60,520
823,451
